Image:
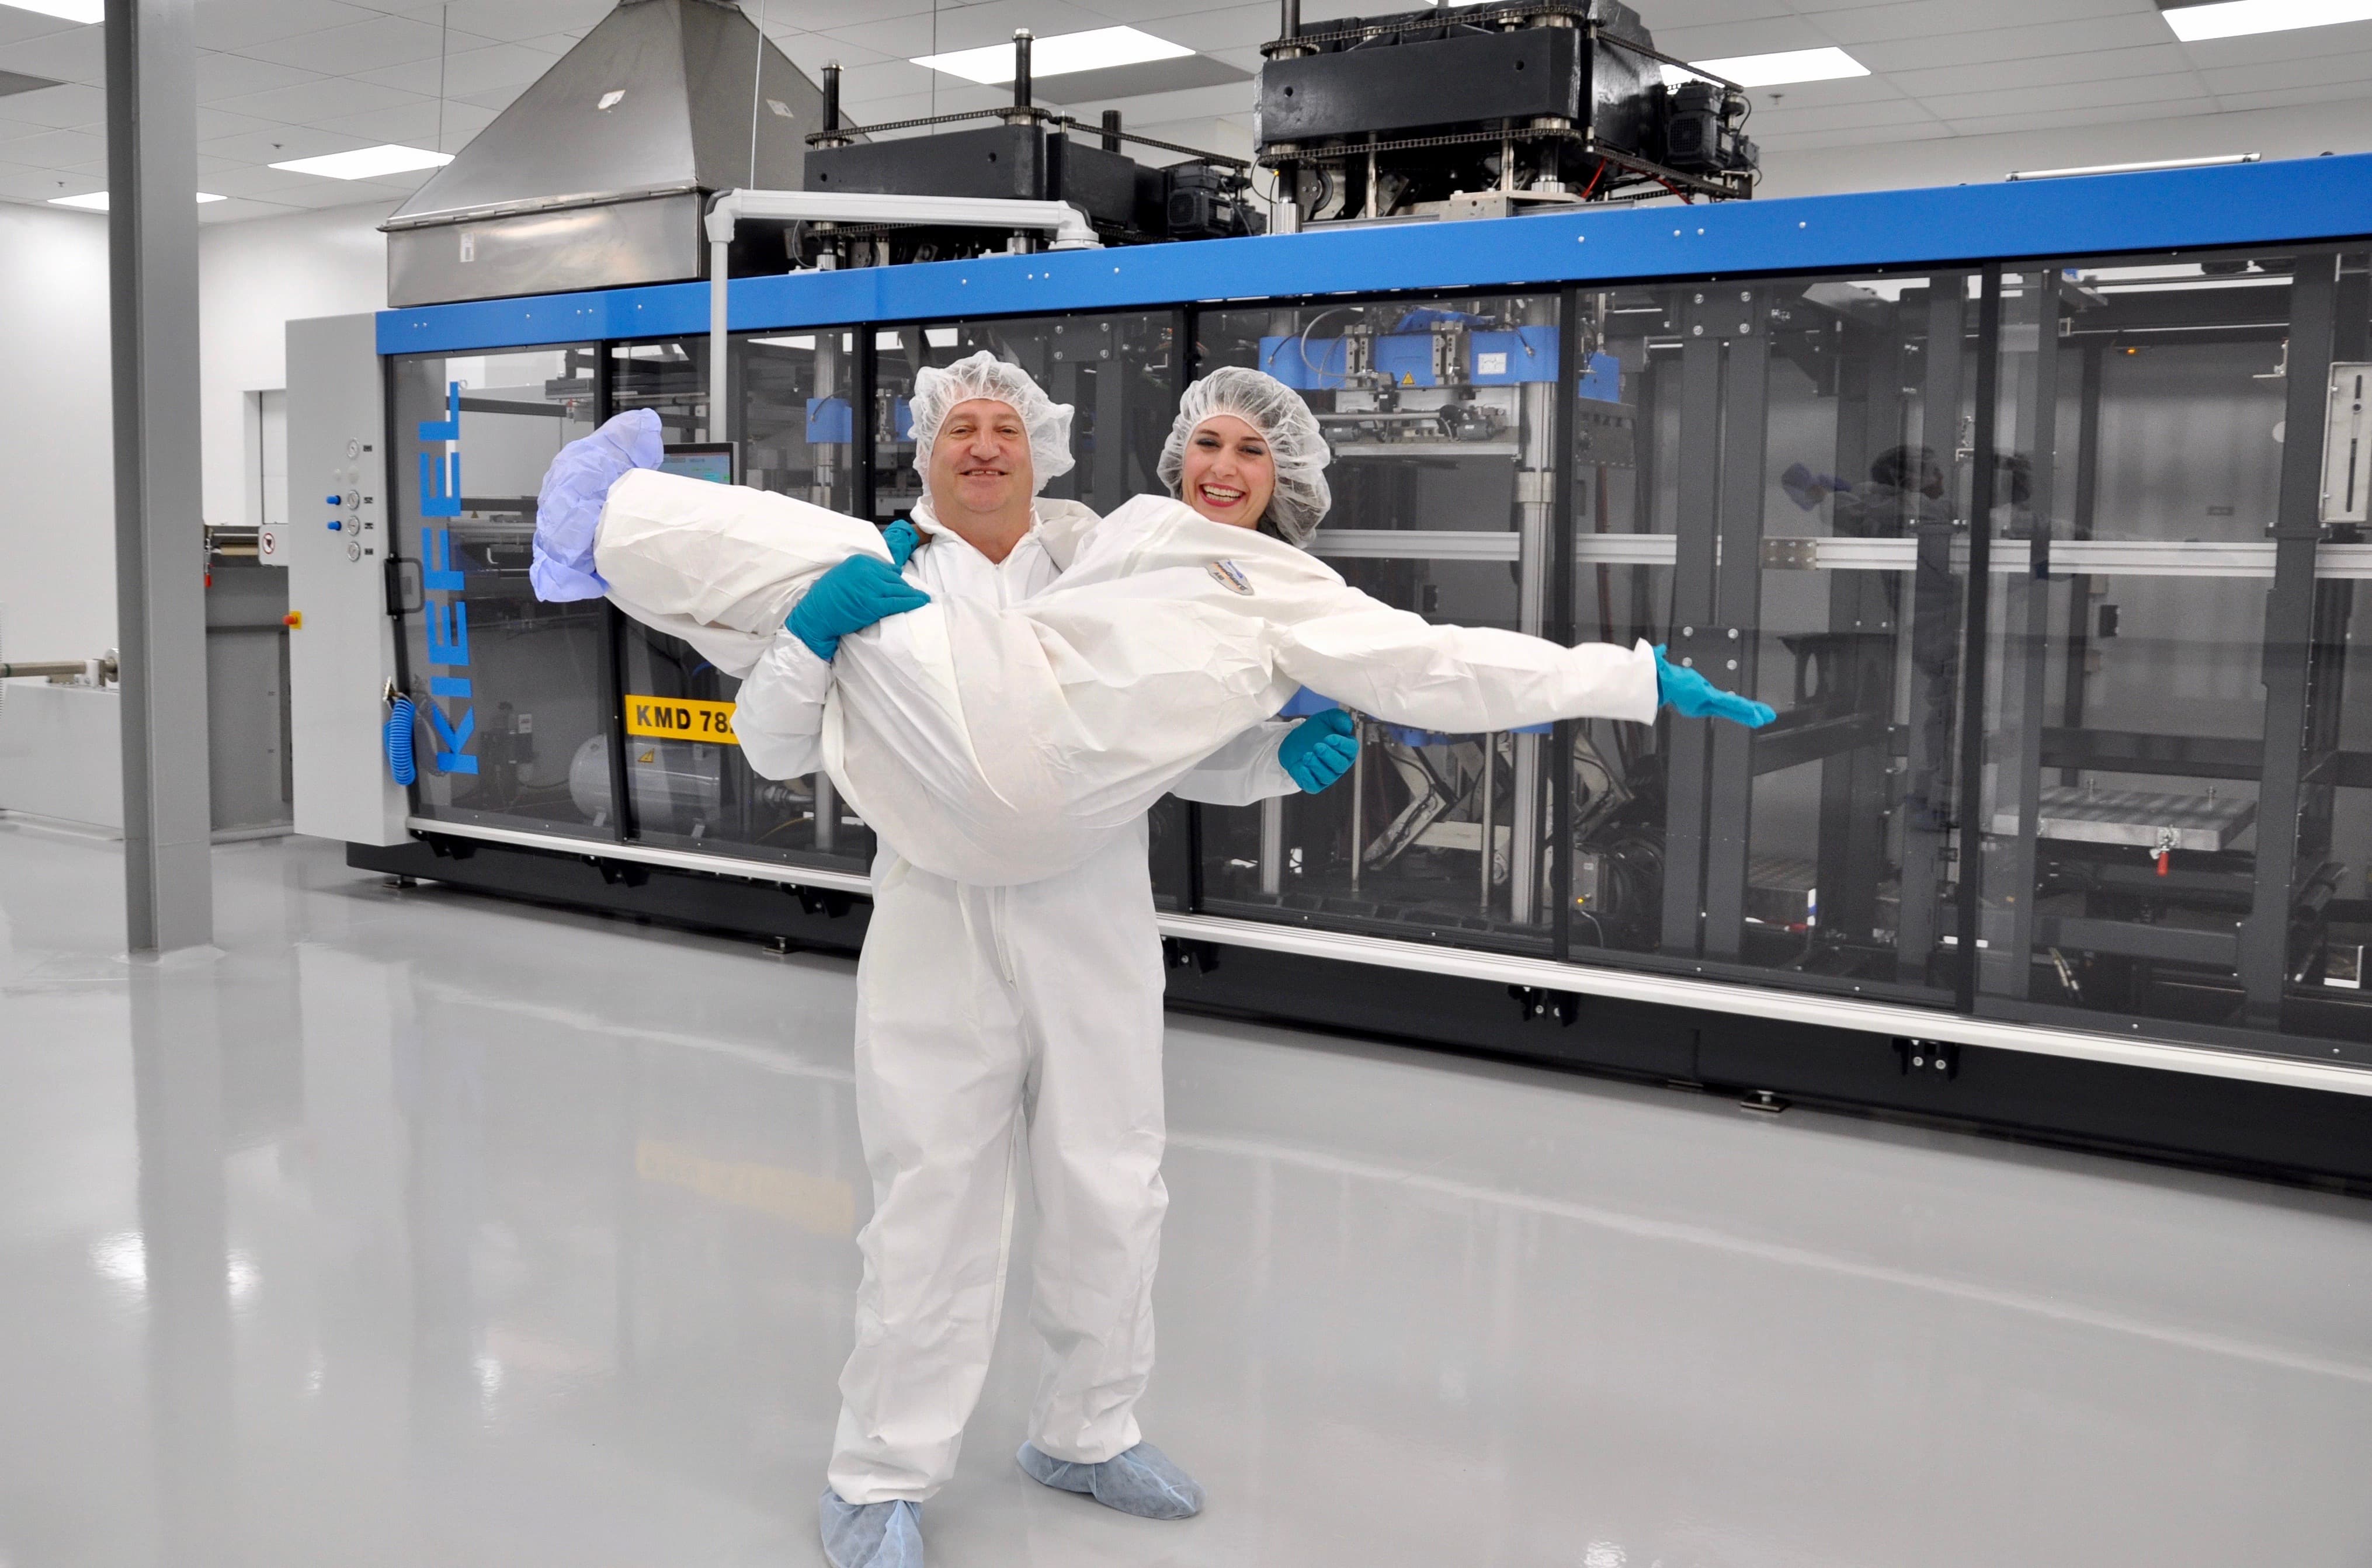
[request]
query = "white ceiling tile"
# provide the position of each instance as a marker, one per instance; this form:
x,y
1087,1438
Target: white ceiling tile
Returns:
x,y
365,46
415,124
318,100
904,38
913,106
888,78
1231,27
1933,32
814,16
1768,124
972,27
1824,94
71,105
2072,150
215,123
470,71
40,185
237,209
16,25
337,194
254,179
283,144
495,99
2094,65
235,24
51,149
2322,92
77,54
1675,15
222,75
1766,36
812,51
1191,103
511,20
1865,136
1957,107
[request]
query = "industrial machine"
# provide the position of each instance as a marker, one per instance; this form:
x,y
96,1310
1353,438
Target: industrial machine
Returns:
x,y
2036,509
1027,155
1491,110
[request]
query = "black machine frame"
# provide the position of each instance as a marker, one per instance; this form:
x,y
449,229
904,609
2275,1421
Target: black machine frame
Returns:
x,y
1721,379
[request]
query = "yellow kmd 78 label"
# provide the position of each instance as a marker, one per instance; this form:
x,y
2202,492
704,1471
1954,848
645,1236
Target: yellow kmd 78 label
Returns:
x,y
681,719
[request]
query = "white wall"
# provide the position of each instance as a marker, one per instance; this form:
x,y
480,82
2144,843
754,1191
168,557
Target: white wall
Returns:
x,y
57,520
255,278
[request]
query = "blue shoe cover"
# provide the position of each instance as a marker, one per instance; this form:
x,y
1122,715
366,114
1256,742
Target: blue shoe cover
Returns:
x,y
871,1535
1141,1482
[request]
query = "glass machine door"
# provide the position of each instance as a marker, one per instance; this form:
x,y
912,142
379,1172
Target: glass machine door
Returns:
x,y
2174,811
511,690
1770,480
688,786
1441,416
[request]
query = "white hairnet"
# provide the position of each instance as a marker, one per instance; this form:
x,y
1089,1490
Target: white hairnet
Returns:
x,y
1284,421
984,375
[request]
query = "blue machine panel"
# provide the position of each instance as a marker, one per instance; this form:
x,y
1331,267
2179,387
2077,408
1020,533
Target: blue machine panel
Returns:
x,y
1502,358
831,422
2299,199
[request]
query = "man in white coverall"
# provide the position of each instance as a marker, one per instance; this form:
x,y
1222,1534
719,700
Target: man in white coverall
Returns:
x,y
989,1017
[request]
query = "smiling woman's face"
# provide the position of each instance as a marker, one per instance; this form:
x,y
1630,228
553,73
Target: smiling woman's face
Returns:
x,y
1228,475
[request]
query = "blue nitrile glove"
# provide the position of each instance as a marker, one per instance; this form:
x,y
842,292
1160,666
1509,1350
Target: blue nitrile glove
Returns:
x,y
1692,696
1321,750
903,538
568,510
849,598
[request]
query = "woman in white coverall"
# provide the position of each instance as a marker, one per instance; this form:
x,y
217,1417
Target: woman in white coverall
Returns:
x,y
992,1017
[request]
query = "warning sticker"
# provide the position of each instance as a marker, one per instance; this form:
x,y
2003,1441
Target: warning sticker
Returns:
x,y
681,719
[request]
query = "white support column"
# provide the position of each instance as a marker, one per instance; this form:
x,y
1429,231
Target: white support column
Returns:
x,y
159,545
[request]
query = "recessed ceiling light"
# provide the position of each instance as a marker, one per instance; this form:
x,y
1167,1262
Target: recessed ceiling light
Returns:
x,y
1092,50
96,200
2218,160
2234,18
367,163
1787,66
64,10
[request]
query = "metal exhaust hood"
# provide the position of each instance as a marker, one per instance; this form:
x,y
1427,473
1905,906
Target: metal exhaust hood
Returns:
x,y
597,176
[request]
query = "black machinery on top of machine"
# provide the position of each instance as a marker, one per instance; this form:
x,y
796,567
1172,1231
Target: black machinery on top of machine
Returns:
x,y
1492,111
1029,154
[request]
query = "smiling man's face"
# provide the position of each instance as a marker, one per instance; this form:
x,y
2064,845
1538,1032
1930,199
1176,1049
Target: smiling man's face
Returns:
x,y
980,463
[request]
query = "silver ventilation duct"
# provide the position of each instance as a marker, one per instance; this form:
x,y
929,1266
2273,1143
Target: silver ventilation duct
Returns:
x,y
595,176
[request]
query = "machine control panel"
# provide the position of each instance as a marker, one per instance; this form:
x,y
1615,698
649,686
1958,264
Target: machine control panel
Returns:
x,y
342,654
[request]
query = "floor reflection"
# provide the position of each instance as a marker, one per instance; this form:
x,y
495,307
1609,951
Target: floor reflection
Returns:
x,y
417,1228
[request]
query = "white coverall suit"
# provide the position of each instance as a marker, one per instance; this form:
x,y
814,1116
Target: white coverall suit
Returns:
x,y
985,1016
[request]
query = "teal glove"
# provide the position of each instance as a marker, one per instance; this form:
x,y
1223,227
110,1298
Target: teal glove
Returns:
x,y
1319,751
1692,696
849,598
903,538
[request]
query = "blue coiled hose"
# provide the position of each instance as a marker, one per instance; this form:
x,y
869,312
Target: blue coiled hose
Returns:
x,y
398,741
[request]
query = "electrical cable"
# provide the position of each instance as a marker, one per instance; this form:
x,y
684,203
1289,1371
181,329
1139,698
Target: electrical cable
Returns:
x,y
398,740
756,81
